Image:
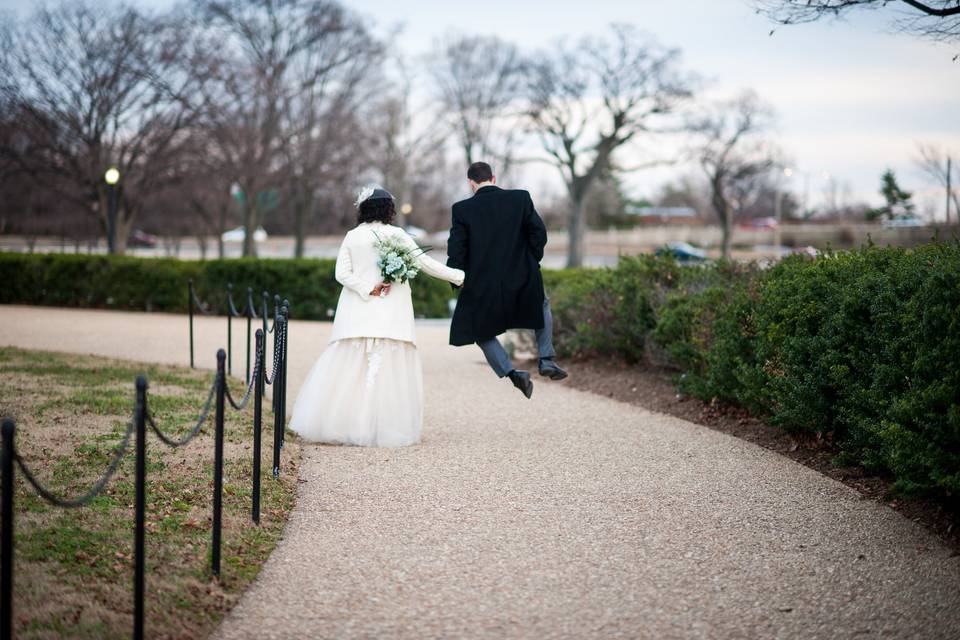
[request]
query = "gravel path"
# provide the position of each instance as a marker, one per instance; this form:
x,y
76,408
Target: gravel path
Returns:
x,y
568,516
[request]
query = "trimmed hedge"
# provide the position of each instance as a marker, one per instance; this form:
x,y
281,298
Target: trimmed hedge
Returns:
x,y
160,284
861,347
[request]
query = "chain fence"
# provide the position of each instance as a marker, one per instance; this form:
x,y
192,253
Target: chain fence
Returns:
x,y
217,397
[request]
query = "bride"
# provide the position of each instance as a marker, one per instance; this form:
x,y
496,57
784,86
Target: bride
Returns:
x,y
366,388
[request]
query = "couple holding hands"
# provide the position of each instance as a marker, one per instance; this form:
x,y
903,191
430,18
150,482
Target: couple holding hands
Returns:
x,y
366,388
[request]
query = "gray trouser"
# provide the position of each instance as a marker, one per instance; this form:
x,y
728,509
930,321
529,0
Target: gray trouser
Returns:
x,y
497,356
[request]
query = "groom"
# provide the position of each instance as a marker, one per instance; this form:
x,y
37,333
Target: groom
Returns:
x,y
497,238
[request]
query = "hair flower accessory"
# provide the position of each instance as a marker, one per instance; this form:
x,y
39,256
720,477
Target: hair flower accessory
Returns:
x,y
365,193
372,192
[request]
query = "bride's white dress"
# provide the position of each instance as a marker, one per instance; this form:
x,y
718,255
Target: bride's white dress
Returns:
x,y
366,388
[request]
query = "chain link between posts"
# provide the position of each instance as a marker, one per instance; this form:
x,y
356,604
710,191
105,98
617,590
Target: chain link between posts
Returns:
x,y
73,503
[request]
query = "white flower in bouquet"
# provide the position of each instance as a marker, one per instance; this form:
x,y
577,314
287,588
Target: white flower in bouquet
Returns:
x,y
397,262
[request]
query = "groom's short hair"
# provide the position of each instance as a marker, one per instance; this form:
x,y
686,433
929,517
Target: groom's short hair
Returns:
x,y
480,172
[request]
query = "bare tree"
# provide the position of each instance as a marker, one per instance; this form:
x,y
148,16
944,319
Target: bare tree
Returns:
x,y
944,168
735,156
207,197
323,119
272,52
588,101
99,85
936,19
409,151
478,78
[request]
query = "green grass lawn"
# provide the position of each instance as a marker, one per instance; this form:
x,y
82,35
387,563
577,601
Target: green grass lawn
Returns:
x,y
73,571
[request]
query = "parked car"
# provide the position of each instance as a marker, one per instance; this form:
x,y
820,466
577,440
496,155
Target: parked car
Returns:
x,y
768,222
238,234
904,222
140,238
682,252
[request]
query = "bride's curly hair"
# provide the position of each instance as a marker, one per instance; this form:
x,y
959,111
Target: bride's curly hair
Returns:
x,y
377,210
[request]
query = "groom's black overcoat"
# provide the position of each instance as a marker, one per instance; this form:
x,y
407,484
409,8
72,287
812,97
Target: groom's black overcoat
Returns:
x,y
497,238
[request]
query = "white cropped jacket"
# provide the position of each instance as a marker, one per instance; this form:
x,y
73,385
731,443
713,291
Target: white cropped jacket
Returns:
x,y
360,315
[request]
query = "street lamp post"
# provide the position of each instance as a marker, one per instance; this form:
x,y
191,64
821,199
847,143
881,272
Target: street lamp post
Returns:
x,y
112,177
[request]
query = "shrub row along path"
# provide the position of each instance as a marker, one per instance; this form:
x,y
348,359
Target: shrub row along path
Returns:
x,y
568,516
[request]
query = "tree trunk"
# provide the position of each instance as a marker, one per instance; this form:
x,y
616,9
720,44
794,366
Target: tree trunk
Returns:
x,y
202,244
304,207
221,227
124,225
249,246
298,230
575,232
727,236
249,227
722,208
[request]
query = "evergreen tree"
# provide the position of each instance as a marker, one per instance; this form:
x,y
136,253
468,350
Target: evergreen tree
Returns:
x,y
899,202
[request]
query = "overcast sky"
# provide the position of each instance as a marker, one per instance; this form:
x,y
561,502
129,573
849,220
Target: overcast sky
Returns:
x,y
852,97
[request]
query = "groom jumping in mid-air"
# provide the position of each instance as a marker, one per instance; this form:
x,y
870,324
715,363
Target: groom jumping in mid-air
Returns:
x,y
497,238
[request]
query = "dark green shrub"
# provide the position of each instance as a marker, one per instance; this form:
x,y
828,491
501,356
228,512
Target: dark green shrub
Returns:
x,y
609,311
160,284
685,326
860,347
921,432
685,319
581,309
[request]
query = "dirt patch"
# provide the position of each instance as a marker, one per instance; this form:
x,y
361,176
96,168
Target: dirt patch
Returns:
x,y
653,389
169,390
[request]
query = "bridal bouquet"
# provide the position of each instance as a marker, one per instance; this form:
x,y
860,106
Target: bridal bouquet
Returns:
x,y
397,262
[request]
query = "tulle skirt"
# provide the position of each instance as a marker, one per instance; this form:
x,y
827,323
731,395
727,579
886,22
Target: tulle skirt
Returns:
x,y
362,391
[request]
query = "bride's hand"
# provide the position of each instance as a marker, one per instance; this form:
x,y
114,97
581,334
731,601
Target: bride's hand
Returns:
x,y
381,289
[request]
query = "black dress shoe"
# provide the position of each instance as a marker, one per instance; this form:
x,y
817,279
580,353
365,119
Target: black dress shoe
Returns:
x,y
552,370
521,380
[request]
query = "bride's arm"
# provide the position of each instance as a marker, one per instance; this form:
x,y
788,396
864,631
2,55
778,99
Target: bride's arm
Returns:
x,y
433,267
345,275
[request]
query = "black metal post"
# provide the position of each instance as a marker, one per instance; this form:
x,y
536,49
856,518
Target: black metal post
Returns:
x,y
277,414
190,306
258,423
276,384
249,311
6,553
218,462
283,389
140,507
111,218
229,327
266,306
